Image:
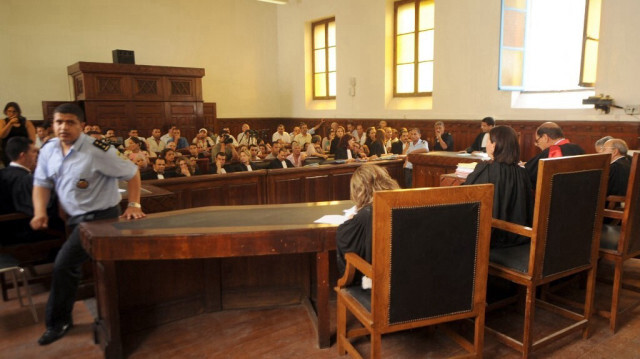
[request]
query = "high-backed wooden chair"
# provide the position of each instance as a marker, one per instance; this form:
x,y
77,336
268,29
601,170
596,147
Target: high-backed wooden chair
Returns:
x,y
430,259
565,237
621,243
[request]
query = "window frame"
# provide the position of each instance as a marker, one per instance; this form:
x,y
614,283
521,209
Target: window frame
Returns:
x,y
325,22
585,39
416,62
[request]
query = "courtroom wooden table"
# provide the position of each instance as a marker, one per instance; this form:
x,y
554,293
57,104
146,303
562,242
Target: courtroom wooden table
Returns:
x,y
139,297
153,199
428,167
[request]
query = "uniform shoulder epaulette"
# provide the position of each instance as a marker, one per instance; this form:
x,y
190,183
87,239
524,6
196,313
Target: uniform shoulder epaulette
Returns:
x,y
102,145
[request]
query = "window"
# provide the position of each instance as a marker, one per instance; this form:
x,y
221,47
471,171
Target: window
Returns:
x,y
413,44
545,45
324,59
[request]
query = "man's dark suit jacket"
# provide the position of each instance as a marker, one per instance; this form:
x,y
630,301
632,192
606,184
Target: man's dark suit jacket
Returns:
x,y
477,144
396,147
448,139
276,163
153,175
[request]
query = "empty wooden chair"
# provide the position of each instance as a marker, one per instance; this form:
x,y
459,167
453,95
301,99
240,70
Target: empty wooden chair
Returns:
x,y
8,264
429,265
565,238
621,243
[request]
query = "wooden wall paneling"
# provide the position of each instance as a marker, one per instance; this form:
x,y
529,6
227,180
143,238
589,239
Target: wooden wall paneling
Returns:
x,y
147,116
284,188
47,110
317,188
340,182
180,89
209,113
185,116
213,195
111,114
147,88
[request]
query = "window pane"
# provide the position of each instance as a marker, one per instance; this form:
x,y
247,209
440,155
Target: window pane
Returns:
x,y
593,20
320,65
406,48
318,36
511,72
426,15
425,76
518,4
332,84
404,79
321,85
425,47
332,59
513,32
590,62
332,34
406,18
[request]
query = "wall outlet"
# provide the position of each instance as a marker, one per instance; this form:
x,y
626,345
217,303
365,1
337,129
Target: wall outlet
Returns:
x,y
632,109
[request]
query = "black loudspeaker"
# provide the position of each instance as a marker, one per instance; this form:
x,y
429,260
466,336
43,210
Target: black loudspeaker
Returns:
x,y
123,57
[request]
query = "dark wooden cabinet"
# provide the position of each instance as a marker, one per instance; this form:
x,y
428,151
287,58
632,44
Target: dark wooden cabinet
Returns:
x,y
126,96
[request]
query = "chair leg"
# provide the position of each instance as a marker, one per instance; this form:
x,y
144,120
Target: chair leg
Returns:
x,y
376,347
615,297
341,325
478,336
529,311
589,299
25,283
15,285
3,284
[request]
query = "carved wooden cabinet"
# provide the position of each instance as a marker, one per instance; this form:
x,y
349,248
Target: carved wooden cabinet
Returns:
x,y
125,96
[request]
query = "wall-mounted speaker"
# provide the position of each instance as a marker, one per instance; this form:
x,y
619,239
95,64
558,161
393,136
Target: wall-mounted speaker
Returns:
x,y
123,57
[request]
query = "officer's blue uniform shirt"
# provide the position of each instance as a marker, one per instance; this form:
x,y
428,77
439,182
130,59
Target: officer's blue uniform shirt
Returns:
x,y
86,179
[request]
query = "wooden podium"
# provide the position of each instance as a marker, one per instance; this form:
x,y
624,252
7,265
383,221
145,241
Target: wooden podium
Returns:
x,y
125,96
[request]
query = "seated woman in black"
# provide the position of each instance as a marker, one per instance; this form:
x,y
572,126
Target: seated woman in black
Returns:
x,y
245,162
336,140
354,235
344,150
371,136
377,147
513,192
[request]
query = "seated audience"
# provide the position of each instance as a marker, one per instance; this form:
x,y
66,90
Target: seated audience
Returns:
x,y
245,162
183,168
513,193
156,145
358,152
296,157
359,135
263,151
133,133
281,134
245,138
158,171
600,143
326,142
354,235
14,125
135,148
226,146
180,142
193,164
314,149
444,140
303,137
620,167
255,152
388,138
169,156
400,147
281,161
203,140
16,187
167,136
141,161
344,151
371,136
336,140
275,149
42,136
295,132
219,165
382,124
314,129
377,147
550,139
196,151
480,143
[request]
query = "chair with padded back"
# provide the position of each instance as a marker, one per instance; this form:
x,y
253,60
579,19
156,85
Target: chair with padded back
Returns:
x,y
8,264
429,266
565,236
621,243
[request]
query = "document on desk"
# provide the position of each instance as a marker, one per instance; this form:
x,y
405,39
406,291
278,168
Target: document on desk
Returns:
x,y
337,218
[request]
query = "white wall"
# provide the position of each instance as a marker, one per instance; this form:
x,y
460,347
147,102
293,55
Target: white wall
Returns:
x,y
234,40
466,62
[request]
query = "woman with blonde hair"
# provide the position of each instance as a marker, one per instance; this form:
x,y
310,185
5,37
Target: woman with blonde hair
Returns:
x,y
354,235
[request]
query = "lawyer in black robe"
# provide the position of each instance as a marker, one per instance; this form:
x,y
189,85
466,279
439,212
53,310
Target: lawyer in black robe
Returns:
x,y
354,235
567,149
619,171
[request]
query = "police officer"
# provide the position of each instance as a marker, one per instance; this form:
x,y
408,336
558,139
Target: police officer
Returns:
x,y
84,173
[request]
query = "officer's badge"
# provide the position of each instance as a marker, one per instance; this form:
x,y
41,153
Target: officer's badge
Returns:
x,y
82,183
102,145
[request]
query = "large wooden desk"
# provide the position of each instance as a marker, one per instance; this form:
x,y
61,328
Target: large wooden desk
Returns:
x,y
168,266
153,199
427,167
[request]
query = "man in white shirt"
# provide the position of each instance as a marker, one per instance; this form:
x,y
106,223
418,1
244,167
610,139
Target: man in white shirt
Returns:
x,y
281,134
156,145
245,138
303,137
169,135
416,145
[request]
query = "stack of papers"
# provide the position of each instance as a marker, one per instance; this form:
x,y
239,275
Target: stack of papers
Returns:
x,y
464,169
337,218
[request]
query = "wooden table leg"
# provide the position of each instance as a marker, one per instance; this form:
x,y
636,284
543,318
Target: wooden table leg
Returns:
x,y
322,304
107,326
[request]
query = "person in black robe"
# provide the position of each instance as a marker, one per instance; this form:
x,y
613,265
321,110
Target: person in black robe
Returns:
x,y
550,139
486,125
620,167
336,140
513,194
354,235
282,157
377,147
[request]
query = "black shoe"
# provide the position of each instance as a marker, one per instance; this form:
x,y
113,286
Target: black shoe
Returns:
x,y
53,334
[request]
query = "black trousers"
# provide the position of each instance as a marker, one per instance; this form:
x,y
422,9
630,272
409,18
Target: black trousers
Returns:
x,y
67,270
408,178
